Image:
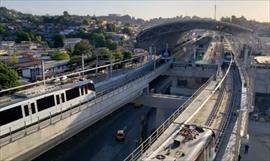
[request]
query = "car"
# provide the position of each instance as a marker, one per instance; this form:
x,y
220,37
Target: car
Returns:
x,y
120,135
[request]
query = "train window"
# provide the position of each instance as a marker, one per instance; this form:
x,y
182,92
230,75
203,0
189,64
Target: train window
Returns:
x,y
72,93
10,115
86,91
62,97
91,87
57,99
45,103
33,108
26,110
81,90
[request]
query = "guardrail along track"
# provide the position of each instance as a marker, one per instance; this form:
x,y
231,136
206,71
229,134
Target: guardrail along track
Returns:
x,y
137,153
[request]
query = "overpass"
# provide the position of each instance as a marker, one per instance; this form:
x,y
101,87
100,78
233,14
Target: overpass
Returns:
x,y
170,33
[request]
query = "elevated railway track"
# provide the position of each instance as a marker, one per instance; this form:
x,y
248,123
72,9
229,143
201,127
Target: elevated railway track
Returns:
x,y
185,115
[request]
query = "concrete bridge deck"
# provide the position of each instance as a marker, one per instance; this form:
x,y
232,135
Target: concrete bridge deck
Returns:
x,y
34,140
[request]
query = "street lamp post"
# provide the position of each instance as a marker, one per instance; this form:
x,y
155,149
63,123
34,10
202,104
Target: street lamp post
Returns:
x,y
110,65
43,72
96,63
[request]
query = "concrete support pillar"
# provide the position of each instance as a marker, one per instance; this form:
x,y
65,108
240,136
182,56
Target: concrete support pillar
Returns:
x,y
191,82
246,51
174,81
146,90
160,116
108,73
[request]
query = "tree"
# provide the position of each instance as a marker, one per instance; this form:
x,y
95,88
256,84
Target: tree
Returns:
x,y
111,44
127,30
13,59
61,55
31,35
85,22
65,14
98,39
83,47
105,53
117,55
111,27
8,77
2,29
38,39
22,36
127,55
58,41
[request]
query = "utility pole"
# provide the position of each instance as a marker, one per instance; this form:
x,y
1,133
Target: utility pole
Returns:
x,y
96,63
150,53
110,64
155,53
215,12
97,54
83,65
43,72
194,54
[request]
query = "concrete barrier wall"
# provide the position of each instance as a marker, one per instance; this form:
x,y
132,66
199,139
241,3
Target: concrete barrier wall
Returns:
x,y
58,129
191,72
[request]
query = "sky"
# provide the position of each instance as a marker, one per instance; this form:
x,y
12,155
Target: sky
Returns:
x,y
252,9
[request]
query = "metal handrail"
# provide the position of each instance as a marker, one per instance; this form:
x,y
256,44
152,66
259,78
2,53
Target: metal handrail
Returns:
x,y
214,111
225,121
69,74
137,153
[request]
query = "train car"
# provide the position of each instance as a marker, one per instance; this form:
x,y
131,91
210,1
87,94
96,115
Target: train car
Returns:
x,y
227,57
189,143
30,106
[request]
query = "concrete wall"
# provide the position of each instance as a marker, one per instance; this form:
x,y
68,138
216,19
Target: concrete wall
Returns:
x,y
182,91
191,70
47,134
261,80
160,101
187,89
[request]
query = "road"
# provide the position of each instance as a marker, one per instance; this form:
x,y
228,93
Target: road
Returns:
x,y
97,143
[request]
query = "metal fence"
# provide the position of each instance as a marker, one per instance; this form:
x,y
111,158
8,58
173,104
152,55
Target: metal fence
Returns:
x,y
138,152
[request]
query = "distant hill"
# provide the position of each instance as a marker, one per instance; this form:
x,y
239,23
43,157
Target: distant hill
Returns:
x,y
123,19
261,28
10,16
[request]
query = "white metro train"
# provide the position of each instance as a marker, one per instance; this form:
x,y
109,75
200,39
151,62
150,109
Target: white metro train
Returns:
x,y
189,143
21,112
